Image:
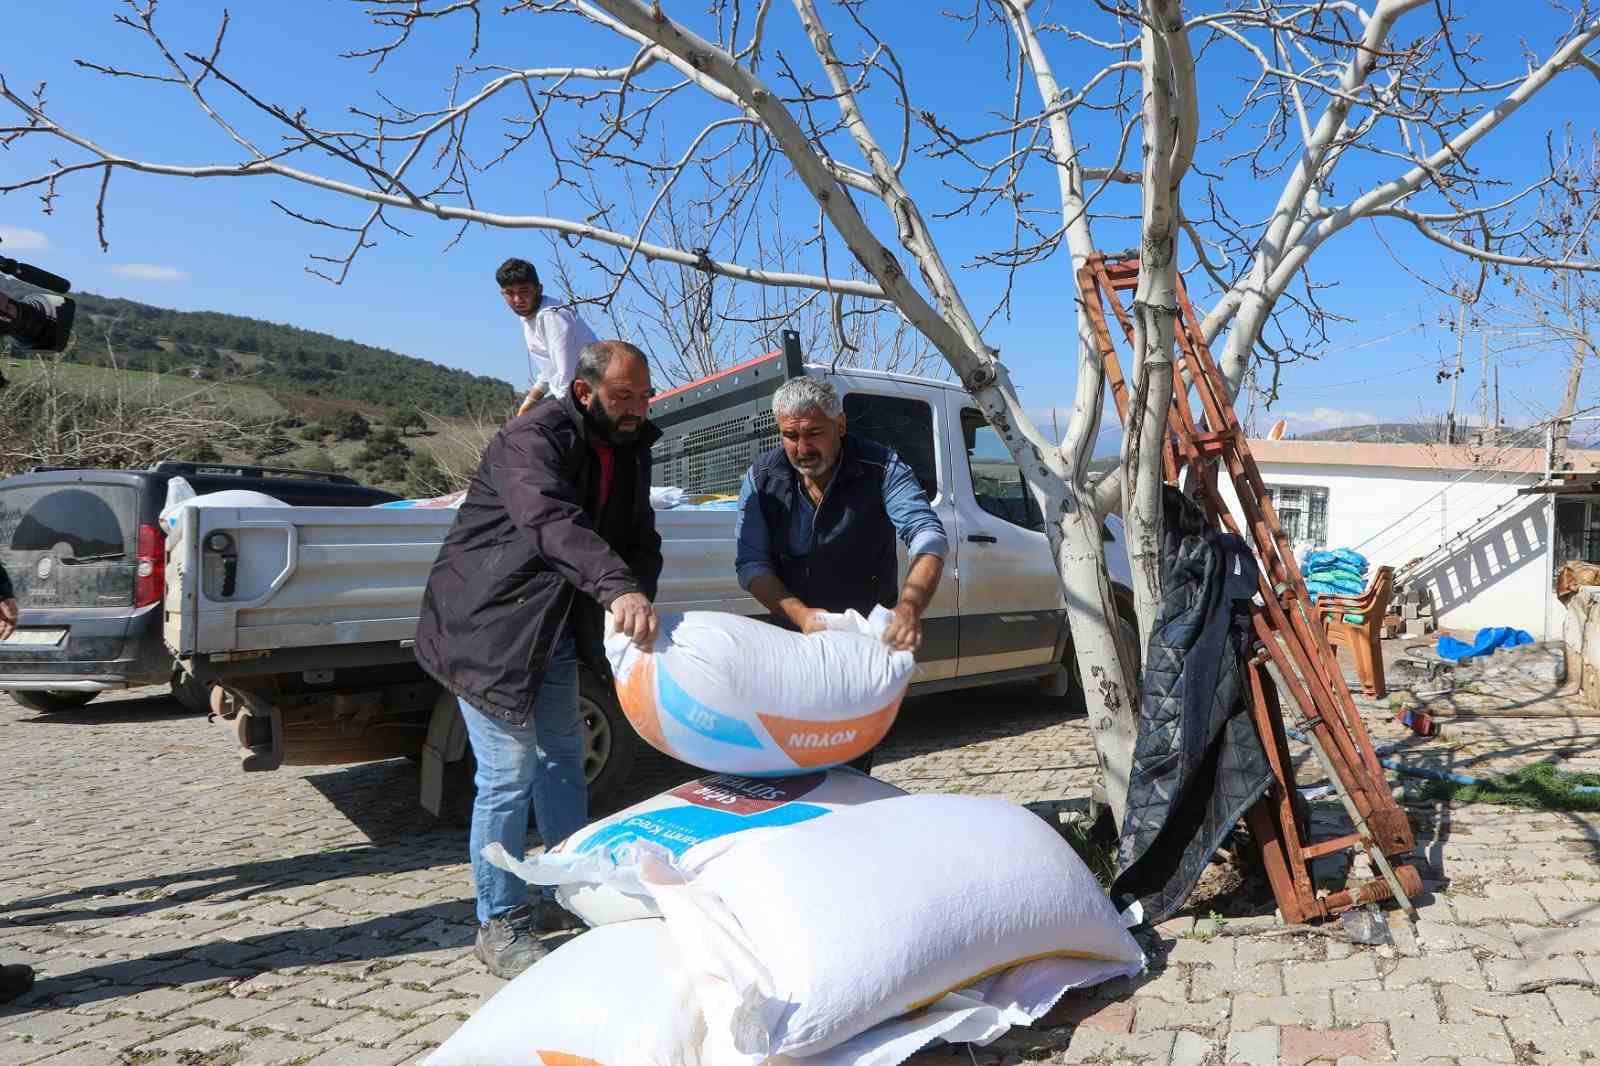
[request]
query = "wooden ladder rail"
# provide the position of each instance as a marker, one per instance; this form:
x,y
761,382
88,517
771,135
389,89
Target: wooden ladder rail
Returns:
x,y
1288,636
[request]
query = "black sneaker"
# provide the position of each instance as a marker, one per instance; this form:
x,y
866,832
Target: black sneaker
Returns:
x,y
552,917
14,982
510,943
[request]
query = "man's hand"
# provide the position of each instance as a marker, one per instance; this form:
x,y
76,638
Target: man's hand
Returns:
x,y
8,618
905,632
535,394
815,622
633,614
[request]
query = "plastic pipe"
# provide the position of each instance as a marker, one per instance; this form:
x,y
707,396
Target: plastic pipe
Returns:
x,y
1402,768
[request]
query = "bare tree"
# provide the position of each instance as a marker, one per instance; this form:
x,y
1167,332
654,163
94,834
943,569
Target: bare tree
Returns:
x,y
1532,312
826,103
46,419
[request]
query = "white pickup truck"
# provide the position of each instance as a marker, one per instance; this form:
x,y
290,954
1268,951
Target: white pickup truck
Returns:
x,y
303,617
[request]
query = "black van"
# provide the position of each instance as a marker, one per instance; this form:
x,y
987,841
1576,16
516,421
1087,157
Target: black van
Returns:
x,y
86,553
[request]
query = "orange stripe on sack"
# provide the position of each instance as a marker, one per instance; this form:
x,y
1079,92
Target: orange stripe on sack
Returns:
x,y
561,1058
812,744
637,694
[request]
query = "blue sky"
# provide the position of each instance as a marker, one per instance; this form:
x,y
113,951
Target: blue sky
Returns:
x,y
220,244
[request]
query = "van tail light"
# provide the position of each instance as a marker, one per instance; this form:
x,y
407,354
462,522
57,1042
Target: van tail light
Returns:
x,y
152,572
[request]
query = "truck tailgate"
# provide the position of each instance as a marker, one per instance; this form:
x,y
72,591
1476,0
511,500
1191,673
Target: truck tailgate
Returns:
x,y
248,579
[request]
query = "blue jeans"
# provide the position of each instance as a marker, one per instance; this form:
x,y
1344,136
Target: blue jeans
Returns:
x,y
541,761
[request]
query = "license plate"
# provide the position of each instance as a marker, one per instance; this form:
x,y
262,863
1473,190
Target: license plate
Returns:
x,y
36,638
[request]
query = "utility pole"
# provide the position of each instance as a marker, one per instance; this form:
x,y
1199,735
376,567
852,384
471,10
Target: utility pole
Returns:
x,y
1497,405
1450,433
1483,402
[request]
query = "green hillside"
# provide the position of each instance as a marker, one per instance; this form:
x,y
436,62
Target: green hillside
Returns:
x,y
283,360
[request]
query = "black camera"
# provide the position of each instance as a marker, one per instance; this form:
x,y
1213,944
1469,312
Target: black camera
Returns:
x,y
39,321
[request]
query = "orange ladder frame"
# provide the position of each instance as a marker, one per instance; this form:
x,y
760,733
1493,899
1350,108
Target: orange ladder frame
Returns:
x,y
1288,634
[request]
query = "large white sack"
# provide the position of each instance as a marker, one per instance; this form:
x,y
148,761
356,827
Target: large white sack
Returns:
x,y
739,696
181,495
807,938
615,996
595,868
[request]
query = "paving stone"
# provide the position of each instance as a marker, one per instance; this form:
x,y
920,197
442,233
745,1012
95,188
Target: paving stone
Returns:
x,y
1115,1016
1253,1047
118,1034
370,1029
1192,1049
1471,1036
228,1012
1549,941
1576,1006
1159,1014
1499,911
1453,967
1319,976
43,1024
364,1057
1089,1045
300,1019
1508,975
440,1029
1354,1006
1301,1008
1298,1046
273,1051
194,1041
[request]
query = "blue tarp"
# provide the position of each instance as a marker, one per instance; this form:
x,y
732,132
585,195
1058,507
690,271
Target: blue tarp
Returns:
x,y
1488,639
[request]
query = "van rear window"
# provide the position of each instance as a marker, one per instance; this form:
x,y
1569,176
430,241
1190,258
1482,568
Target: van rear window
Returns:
x,y
85,520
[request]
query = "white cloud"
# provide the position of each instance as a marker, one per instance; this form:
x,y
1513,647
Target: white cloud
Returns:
x,y
1326,418
150,272
14,239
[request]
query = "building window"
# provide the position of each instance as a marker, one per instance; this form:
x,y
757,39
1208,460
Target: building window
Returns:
x,y
1577,531
1303,513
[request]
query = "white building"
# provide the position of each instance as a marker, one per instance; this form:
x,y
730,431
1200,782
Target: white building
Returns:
x,y
1484,550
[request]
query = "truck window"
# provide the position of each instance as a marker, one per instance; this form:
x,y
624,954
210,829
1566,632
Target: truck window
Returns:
x,y
996,479
898,423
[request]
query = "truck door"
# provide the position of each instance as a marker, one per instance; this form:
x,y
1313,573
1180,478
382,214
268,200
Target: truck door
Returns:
x,y
908,424
1011,607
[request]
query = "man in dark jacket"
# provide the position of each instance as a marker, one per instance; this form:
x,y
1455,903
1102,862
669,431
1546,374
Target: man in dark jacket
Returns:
x,y
556,529
818,520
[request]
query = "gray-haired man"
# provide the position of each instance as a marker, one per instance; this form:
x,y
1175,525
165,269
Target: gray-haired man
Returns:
x,y
818,519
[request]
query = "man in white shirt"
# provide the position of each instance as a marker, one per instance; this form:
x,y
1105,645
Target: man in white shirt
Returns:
x,y
554,333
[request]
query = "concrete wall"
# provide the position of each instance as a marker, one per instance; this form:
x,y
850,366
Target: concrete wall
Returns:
x,y
1395,514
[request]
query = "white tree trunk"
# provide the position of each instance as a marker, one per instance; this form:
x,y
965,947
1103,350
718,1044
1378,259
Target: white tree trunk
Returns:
x,y
1168,126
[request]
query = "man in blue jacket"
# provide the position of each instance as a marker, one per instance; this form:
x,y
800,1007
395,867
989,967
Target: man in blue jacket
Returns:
x,y
818,520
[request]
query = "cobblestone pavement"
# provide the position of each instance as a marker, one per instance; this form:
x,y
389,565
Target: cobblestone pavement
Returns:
x,y
179,911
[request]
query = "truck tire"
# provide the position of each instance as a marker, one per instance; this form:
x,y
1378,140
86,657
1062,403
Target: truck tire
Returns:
x,y
191,694
612,745
48,702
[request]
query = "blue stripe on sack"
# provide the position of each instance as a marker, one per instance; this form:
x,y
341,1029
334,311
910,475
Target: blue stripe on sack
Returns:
x,y
680,828
697,716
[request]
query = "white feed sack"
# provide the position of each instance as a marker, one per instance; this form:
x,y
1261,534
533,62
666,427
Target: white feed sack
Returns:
x,y
805,939
595,868
739,696
181,495
617,996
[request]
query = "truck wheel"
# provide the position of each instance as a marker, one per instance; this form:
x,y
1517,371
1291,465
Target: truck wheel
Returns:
x,y
191,694
48,702
611,744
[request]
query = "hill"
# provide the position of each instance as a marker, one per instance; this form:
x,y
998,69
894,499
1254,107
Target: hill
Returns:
x,y
1378,433
305,371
